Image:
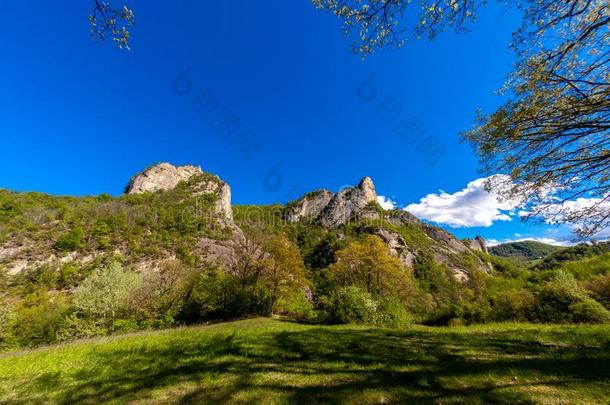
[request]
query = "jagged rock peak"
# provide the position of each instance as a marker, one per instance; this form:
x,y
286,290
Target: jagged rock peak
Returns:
x,y
326,208
348,202
368,188
162,176
478,243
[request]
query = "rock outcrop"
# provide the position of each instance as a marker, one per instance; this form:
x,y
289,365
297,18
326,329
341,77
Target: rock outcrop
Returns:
x,y
165,177
161,177
360,203
398,247
477,244
331,210
309,206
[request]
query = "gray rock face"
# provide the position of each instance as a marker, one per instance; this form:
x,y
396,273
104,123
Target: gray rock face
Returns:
x,y
309,207
333,210
447,239
330,209
477,244
165,177
223,204
161,177
398,247
348,202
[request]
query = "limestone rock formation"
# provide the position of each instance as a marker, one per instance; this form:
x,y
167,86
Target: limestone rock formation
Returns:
x,y
164,177
347,202
161,177
398,247
477,244
309,206
444,237
329,209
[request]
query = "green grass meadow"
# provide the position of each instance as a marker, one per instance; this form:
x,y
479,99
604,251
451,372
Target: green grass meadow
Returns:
x,y
275,361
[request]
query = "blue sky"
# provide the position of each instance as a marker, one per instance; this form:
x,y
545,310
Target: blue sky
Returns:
x,y
80,117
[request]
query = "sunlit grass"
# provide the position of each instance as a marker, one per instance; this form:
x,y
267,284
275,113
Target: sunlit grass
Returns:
x,y
271,361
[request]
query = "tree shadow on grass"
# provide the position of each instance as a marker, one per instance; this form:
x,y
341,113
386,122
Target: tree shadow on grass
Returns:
x,y
327,365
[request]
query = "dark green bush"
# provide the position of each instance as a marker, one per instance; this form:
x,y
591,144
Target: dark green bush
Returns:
x,y
393,314
555,297
38,318
70,241
513,305
352,305
589,311
217,295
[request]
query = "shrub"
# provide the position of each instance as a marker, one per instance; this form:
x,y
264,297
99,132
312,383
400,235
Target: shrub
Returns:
x,y
217,295
103,295
70,241
393,314
68,275
589,311
456,322
101,232
512,305
554,298
45,276
297,306
600,289
352,305
161,292
7,318
125,325
73,326
38,318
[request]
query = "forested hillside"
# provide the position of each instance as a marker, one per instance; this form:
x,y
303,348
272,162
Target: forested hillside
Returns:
x,y
172,251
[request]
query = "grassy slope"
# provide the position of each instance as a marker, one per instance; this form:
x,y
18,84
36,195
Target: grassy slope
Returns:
x,y
271,361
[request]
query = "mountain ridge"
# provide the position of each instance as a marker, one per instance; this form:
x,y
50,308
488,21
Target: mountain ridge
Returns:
x,y
197,215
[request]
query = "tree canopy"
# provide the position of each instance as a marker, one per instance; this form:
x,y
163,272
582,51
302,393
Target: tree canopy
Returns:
x,y
553,137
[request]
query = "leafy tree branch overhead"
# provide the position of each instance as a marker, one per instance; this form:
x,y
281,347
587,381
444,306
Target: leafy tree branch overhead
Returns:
x,y
552,137
106,20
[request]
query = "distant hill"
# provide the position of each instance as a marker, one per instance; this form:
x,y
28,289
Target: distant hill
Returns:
x,y
573,253
524,251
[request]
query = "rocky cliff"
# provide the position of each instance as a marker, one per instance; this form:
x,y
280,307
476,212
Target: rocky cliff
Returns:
x,y
359,204
165,177
171,211
331,210
161,177
477,244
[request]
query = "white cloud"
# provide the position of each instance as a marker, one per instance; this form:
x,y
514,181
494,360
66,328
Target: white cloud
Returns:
x,y
554,213
386,203
472,206
548,241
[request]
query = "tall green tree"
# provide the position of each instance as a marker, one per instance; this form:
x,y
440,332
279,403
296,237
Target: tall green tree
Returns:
x,y
369,265
284,272
102,295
